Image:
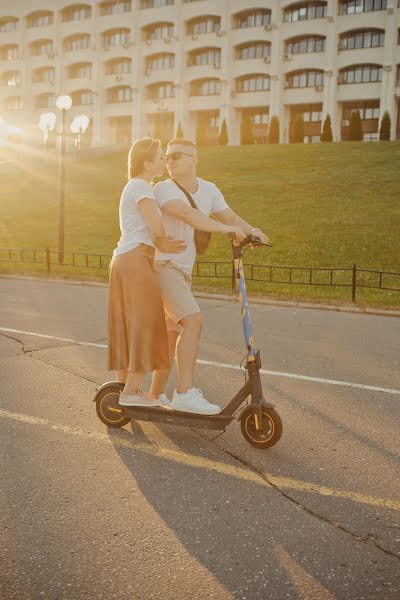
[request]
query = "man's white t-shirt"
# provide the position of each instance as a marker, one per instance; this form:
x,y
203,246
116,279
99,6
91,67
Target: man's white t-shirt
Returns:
x,y
208,199
134,230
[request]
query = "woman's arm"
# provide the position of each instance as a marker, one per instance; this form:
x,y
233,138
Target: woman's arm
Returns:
x,y
152,218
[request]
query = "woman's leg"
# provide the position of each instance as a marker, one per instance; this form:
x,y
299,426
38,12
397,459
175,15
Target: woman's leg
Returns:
x,y
133,382
121,376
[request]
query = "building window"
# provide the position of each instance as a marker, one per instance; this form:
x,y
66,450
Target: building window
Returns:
x,y
42,47
160,91
305,45
305,11
160,62
253,83
14,103
82,97
9,52
351,7
78,12
46,101
252,18
75,43
161,31
80,71
11,78
116,37
8,24
203,25
303,79
353,40
44,75
205,56
205,87
115,8
253,50
361,74
155,3
40,19
118,67
119,94
367,111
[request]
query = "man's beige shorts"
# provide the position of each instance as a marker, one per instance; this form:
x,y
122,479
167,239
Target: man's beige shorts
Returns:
x,y
176,293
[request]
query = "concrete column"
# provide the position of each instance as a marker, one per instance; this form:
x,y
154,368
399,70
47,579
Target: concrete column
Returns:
x,y
330,105
388,98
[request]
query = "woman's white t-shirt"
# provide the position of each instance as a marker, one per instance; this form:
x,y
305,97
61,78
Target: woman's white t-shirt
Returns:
x,y
134,230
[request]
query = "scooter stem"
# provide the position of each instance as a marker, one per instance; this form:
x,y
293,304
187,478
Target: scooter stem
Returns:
x,y
247,328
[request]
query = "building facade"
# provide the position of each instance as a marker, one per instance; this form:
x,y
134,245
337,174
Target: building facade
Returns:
x,y
146,67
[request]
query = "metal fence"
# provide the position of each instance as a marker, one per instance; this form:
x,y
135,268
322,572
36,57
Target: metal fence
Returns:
x,y
352,278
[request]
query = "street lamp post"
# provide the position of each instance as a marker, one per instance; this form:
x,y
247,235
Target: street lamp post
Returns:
x,y
78,126
64,103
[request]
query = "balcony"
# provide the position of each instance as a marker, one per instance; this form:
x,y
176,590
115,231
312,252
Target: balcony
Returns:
x,y
211,102
252,65
306,95
360,56
359,91
202,72
250,99
158,75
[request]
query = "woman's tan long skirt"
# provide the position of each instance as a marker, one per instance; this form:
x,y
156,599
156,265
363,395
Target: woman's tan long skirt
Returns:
x,y
137,334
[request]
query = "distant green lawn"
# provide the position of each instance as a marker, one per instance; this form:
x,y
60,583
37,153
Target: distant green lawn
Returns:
x,y
323,205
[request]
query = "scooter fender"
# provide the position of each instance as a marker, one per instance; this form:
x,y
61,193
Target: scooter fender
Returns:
x,y
257,404
106,385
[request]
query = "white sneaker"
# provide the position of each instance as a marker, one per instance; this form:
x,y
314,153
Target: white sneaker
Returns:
x,y
193,401
137,400
164,400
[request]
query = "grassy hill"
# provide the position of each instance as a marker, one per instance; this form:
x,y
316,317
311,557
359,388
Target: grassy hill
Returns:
x,y
323,205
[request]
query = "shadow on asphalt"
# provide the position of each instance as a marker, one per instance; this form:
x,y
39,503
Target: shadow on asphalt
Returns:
x,y
250,538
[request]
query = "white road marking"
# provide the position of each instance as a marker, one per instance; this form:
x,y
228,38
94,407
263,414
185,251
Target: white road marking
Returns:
x,y
210,363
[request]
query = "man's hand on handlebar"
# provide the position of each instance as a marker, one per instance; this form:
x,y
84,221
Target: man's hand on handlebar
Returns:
x,y
236,234
264,239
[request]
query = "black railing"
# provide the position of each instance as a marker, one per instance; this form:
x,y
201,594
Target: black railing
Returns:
x,y
353,278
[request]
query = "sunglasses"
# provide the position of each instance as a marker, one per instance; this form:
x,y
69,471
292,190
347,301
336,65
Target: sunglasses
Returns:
x,y
176,155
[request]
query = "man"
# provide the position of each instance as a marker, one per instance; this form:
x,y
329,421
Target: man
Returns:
x,y
184,319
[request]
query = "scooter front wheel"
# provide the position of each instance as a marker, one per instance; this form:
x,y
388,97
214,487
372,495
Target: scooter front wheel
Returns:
x,y
267,433
107,407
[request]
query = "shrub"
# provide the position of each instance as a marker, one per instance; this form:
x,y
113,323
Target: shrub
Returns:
x,y
384,132
355,128
273,133
246,132
223,134
326,135
298,130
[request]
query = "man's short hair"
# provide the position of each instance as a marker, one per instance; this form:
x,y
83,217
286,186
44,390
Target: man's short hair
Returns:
x,y
181,142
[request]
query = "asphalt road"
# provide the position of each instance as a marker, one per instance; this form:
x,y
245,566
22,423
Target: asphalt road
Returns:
x,y
159,512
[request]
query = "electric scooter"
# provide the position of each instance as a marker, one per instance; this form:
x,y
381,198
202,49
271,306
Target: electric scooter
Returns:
x,y
260,423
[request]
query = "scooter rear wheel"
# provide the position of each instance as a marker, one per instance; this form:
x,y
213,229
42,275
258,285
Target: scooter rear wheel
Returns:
x,y
270,431
107,408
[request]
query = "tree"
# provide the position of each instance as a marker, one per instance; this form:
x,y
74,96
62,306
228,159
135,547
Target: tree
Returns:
x,y
298,129
384,132
326,135
273,133
355,128
179,131
246,133
223,134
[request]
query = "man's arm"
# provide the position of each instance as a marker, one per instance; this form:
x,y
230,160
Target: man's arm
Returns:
x,y
229,217
196,219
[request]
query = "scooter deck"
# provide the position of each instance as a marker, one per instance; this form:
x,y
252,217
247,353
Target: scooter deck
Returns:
x,y
174,417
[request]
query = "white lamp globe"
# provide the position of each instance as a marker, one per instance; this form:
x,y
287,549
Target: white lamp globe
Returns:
x,y
47,121
79,124
64,102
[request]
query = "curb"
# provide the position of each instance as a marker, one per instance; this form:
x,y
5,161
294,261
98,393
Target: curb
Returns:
x,y
231,298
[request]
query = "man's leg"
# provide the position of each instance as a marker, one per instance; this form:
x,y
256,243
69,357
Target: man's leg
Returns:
x,y
186,351
160,378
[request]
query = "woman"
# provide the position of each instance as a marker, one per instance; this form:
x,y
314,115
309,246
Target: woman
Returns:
x,y
137,333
